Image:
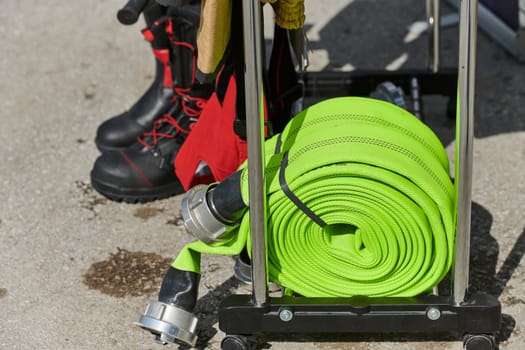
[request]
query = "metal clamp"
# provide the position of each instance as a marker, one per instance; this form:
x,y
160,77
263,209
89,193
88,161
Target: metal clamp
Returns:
x,y
242,270
169,323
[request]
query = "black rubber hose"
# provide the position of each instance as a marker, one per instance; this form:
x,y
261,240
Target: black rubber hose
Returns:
x,y
180,288
225,199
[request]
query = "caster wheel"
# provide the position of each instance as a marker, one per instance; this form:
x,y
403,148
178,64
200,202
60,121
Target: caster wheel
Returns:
x,y
479,342
238,342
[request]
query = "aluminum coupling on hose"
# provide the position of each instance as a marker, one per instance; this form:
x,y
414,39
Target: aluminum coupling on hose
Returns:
x,y
198,217
169,323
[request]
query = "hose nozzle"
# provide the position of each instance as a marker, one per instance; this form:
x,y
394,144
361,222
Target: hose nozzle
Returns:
x,y
169,324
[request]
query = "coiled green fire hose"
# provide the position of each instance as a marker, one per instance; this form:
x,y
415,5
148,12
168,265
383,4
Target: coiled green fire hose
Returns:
x,y
360,202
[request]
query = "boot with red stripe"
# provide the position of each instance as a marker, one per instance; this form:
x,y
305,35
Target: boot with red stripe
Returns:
x,y
122,130
144,171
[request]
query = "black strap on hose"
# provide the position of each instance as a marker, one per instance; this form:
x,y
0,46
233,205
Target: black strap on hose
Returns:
x,y
284,186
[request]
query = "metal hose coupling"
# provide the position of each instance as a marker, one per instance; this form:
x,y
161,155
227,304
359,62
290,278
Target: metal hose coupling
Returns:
x,y
198,217
169,324
388,91
171,318
209,210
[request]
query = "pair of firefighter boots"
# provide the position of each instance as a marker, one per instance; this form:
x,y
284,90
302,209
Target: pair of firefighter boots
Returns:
x,y
139,146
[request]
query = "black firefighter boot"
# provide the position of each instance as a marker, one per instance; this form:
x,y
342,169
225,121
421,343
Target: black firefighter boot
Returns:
x,y
122,130
145,171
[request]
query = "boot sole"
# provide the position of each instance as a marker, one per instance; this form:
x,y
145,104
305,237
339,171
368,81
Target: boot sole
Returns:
x,y
134,195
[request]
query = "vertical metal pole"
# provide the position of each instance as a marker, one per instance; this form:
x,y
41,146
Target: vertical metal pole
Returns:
x,y
464,143
253,56
434,30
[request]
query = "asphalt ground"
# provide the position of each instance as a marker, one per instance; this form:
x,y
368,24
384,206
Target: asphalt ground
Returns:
x,y
67,66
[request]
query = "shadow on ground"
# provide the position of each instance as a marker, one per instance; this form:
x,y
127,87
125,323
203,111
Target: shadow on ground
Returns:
x,y
483,278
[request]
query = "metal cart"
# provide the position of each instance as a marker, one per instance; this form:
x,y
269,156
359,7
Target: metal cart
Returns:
x,y
474,317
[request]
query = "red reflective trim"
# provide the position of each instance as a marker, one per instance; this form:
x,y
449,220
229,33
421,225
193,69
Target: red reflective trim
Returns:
x,y
169,27
148,34
163,55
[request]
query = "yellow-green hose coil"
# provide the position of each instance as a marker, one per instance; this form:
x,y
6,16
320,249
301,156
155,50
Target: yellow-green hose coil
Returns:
x,y
377,179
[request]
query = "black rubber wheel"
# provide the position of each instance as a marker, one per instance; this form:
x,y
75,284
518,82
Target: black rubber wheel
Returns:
x,y
479,342
238,342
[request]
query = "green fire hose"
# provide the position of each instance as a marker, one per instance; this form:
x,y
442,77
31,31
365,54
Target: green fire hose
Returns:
x,y
359,202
